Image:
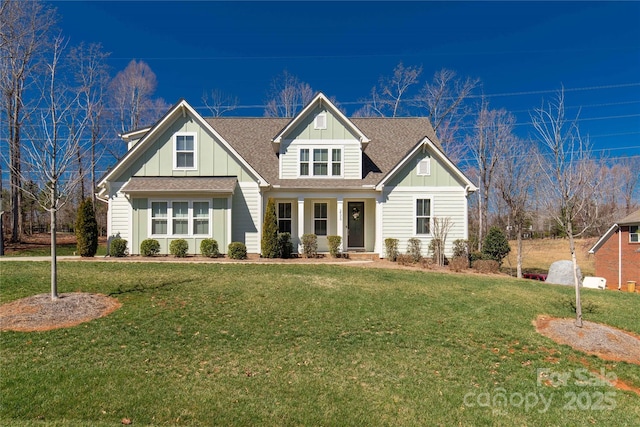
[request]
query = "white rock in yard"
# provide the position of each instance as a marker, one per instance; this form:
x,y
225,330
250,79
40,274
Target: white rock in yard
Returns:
x,y
561,273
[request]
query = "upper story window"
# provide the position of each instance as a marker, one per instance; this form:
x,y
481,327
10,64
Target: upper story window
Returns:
x,y
634,234
316,162
424,166
320,122
184,151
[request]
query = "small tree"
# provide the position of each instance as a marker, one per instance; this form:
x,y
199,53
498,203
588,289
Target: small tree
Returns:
x,y
86,229
441,228
496,245
269,244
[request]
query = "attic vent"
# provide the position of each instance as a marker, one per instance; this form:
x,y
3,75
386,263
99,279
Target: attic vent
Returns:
x,y
424,166
320,121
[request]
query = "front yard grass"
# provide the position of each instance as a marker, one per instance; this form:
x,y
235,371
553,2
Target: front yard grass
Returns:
x,y
219,344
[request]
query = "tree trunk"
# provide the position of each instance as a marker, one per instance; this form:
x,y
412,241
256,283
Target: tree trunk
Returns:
x,y
576,281
519,256
54,265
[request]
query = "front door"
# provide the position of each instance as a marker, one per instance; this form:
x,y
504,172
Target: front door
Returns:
x,y
355,223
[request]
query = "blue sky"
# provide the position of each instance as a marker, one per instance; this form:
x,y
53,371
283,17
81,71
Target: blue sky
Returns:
x,y
521,51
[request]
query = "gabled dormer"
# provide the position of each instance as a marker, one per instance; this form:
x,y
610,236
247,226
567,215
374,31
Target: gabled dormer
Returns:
x,y
320,142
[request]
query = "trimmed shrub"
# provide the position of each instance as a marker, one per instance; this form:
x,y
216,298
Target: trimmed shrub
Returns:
x,y
179,248
118,247
496,245
209,248
149,247
414,249
391,249
334,245
486,266
475,256
86,229
427,263
237,250
459,263
460,248
285,247
310,245
404,259
269,242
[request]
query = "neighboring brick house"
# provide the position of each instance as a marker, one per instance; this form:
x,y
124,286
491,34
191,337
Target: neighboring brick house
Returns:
x,y
617,253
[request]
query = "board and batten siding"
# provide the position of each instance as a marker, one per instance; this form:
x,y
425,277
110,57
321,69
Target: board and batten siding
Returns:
x,y
336,135
440,175
119,219
213,159
218,224
247,216
399,220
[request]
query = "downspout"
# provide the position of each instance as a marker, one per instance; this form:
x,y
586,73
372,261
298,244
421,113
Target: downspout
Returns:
x,y
619,258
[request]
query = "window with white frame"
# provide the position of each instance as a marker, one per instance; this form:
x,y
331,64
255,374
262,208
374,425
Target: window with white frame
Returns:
x,y
201,218
180,218
320,219
423,216
284,217
184,156
634,234
304,162
424,166
316,162
159,218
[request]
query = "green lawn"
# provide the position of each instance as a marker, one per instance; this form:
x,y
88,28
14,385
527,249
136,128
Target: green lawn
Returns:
x,y
215,344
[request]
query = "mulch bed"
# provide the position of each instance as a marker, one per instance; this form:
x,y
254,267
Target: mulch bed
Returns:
x,y
604,341
41,313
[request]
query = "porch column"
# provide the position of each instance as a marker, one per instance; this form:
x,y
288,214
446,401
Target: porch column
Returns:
x,y
379,244
300,222
340,223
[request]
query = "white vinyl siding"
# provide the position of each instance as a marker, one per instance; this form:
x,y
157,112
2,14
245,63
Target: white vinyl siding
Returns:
x,y
247,215
400,210
120,213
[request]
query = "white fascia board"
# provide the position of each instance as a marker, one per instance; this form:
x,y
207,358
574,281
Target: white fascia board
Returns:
x,y
178,109
604,238
319,100
426,142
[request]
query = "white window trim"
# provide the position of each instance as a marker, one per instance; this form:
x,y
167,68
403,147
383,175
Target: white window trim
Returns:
x,y
313,224
170,218
414,214
330,162
637,234
424,163
195,150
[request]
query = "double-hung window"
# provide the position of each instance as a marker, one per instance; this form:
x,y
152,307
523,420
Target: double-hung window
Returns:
x,y
423,216
320,219
184,156
320,162
634,234
159,218
304,162
336,162
201,218
180,212
284,217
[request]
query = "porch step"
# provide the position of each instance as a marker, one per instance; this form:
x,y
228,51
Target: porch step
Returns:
x,y
363,256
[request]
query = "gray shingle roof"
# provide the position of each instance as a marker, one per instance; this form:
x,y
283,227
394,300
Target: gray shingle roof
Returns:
x,y
633,218
182,184
391,140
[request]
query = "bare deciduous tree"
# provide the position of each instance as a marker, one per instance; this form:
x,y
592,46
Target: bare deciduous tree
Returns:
x,y
24,35
515,182
625,172
441,228
569,176
493,134
131,95
88,63
443,99
287,96
219,102
51,146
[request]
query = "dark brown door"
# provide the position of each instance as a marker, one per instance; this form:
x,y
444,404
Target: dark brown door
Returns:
x,y
355,210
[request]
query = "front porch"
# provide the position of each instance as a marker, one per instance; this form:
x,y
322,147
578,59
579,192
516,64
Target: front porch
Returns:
x,y
352,218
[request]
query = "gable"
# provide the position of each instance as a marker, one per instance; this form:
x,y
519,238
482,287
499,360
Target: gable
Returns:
x,y
334,127
433,172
